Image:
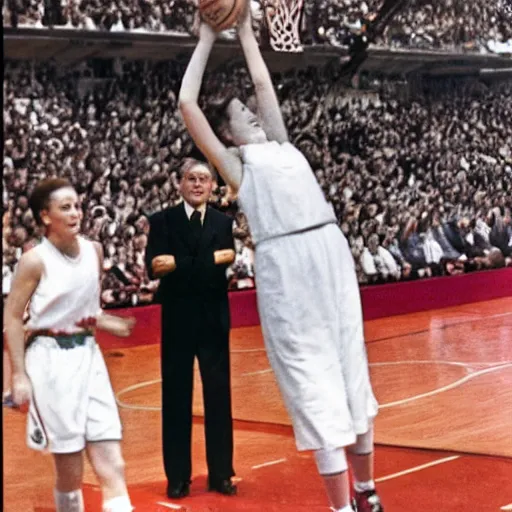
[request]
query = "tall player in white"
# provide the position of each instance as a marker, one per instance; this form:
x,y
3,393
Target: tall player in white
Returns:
x,y
56,364
308,295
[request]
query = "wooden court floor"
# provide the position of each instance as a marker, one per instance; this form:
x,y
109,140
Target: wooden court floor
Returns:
x,y
444,431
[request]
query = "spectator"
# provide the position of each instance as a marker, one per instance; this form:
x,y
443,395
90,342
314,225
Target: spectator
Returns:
x,y
442,155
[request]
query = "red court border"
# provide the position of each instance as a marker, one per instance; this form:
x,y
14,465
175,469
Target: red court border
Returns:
x,y
378,301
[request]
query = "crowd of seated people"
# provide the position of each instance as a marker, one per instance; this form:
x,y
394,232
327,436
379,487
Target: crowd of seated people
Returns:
x,y
421,187
453,25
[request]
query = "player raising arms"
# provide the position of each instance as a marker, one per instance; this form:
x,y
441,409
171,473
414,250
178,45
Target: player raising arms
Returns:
x,y
56,364
308,295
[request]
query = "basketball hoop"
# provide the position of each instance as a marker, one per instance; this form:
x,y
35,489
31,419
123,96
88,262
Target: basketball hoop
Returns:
x,y
283,20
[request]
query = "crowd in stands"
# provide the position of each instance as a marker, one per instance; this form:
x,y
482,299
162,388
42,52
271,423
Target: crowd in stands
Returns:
x,y
452,25
421,187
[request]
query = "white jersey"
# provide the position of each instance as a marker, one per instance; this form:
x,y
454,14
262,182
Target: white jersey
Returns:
x,y
69,289
308,299
72,402
279,193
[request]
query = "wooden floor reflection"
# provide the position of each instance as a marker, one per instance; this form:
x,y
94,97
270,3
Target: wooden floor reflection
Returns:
x,y
443,380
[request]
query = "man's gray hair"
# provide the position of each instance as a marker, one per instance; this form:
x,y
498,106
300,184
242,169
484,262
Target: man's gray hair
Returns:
x,y
189,163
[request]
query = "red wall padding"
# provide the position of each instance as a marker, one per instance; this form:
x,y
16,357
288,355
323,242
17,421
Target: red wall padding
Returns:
x,y
378,301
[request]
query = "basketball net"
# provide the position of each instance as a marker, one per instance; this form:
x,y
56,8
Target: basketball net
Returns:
x,y
283,20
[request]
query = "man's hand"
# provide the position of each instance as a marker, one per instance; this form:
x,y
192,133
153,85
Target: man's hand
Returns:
x,y
21,389
162,265
224,257
116,325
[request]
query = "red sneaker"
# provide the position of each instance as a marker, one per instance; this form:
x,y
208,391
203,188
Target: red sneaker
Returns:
x,y
367,501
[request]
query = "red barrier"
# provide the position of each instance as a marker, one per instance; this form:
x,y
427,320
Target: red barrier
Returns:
x,y
378,301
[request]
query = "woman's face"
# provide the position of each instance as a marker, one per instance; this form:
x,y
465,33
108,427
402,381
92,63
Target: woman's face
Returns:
x,y
244,126
63,215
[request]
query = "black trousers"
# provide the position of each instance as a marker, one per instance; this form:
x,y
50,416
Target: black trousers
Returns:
x,y
182,340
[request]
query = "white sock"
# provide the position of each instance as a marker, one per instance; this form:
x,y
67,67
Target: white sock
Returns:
x,y
118,504
348,508
364,486
69,501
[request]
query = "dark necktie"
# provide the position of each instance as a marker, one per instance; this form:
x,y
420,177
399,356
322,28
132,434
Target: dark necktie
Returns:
x,y
195,221
195,228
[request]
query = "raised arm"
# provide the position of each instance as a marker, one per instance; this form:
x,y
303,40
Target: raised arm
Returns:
x,y
227,163
269,111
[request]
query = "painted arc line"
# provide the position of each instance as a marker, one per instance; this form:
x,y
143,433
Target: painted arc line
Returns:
x,y
396,363
417,468
120,403
271,463
453,385
429,361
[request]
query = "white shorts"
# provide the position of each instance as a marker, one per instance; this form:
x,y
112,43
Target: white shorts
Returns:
x,y
73,402
310,311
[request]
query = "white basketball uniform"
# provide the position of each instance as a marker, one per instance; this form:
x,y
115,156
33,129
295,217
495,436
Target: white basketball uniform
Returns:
x,y
308,298
73,401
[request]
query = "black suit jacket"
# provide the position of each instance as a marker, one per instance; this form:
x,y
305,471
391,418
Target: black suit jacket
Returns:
x,y
196,281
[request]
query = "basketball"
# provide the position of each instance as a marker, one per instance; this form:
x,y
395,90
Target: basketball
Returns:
x,y
221,14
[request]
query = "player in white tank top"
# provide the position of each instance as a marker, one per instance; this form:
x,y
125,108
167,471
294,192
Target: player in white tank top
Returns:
x,y
296,237
56,364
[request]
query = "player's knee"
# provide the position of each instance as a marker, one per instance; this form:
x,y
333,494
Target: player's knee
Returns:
x,y
363,444
68,481
109,465
68,471
115,467
331,461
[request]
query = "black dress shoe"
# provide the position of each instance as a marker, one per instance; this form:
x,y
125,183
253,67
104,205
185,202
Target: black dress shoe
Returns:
x,y
179,490
225,487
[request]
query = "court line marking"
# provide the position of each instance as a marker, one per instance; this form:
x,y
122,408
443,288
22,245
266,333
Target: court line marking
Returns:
x,y
271,463
448,387
395,363
507,507
246,350
170,505
259,372
133,387
417,468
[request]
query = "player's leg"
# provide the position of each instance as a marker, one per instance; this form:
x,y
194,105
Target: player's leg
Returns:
x,y
360,456
333,468
103,435
362,404
69,469
108,464
300,339
55,417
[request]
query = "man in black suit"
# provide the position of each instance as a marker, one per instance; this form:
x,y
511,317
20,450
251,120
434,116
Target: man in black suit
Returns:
x,y
189,248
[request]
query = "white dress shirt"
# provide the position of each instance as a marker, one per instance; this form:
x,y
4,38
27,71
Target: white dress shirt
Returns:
x,y
189,210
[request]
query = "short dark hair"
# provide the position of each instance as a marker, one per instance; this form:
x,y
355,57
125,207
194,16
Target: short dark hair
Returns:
x,y
39,200
216,112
